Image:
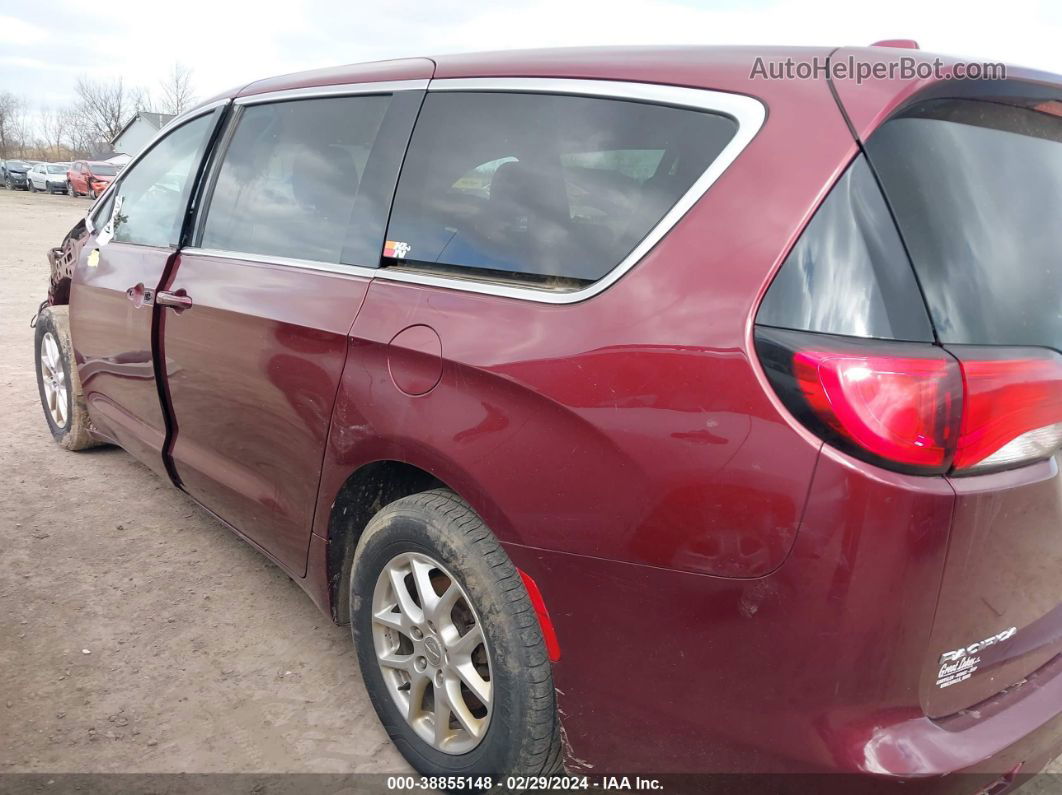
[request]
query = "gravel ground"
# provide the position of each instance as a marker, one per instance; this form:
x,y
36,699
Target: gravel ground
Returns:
x,y
136,633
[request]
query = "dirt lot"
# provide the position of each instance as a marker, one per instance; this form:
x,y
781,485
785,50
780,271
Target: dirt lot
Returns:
x,y
136,633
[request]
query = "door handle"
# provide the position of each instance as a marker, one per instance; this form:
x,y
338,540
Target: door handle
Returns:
x,y
140,295
178,299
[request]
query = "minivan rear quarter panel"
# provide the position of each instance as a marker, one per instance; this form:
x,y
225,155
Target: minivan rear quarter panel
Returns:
x,y
828,648
649,387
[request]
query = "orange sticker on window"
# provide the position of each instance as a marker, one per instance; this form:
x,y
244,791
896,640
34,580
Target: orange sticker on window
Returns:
x,y
396,249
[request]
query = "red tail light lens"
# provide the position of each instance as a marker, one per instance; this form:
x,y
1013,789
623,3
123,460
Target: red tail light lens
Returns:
x,y
1013,407
916,407
898,408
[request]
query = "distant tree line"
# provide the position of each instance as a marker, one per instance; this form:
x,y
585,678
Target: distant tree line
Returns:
x,y
85,127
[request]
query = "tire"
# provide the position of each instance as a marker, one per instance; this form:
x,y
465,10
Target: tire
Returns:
x,y
70,189
518,728
92,193
9,184
68,420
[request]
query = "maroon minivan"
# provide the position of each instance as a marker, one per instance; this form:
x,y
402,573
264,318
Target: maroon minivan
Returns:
x,y
639,413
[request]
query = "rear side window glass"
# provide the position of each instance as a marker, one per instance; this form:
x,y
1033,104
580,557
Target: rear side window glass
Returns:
x,y
848,273
543,188
291,177
154,192
976,187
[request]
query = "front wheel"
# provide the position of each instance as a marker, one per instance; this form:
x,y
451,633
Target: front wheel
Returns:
x,y
70,189
449,645
58,382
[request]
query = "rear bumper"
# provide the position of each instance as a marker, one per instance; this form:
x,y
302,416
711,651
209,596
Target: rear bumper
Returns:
x,y
1020,730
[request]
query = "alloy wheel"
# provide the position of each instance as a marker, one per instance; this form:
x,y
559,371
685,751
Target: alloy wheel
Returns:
x,y
432,652
54,380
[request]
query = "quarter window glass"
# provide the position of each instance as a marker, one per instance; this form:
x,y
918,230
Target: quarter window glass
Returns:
x,y
154,192
543,188
292,178
848,274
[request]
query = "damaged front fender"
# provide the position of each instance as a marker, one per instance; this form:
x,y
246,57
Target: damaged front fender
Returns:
x,y
61,262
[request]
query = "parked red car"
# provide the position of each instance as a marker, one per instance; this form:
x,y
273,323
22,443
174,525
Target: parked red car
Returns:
x,y
715,419
89,177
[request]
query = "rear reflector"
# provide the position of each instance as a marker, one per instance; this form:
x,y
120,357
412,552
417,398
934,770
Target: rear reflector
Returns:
x,y
916,407
549,634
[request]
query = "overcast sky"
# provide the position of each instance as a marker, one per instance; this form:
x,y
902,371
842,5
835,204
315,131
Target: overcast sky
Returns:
x,y
46,44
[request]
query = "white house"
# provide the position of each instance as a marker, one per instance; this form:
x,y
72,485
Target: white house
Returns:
x,y
138,131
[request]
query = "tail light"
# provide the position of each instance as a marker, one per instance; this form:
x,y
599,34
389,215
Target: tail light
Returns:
x,y
1013,407
916,407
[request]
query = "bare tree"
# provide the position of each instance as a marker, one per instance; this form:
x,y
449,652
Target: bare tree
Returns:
x,y
105,107
140,99
177,93
54,127
13,124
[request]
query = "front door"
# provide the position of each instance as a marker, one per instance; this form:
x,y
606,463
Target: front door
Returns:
x,y
294,222
112,293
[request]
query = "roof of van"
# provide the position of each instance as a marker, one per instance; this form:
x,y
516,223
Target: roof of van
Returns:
x,y
722,68
677,65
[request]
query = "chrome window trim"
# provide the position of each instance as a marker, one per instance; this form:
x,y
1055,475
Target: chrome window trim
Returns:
x,y
172,125
749,113
341,90
267,259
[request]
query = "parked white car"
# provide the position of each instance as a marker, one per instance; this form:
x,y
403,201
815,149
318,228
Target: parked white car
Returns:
x,y
48,176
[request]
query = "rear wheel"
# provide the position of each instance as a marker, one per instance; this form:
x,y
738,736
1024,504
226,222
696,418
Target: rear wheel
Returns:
x,y
449,645
58,382
70,189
